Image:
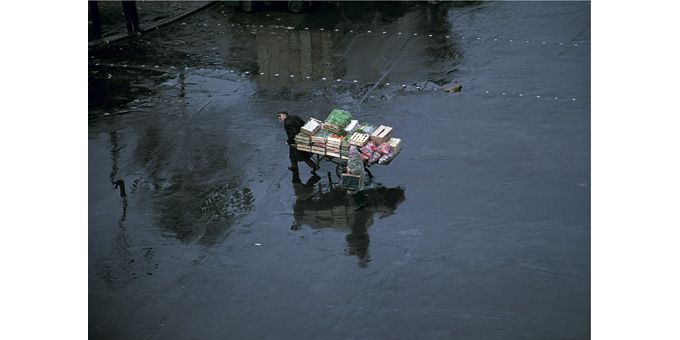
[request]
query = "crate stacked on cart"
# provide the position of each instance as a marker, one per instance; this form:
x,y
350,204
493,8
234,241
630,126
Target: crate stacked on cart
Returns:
x,y
334,136
311,127
344,148
303,140
320,137
333,144
358,139
336,121
375,143
319,142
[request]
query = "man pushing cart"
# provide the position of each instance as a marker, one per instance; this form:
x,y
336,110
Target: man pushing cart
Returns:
x,y
332,138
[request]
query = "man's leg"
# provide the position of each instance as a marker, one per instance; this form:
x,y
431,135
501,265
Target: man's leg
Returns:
x,y
312,165
296,172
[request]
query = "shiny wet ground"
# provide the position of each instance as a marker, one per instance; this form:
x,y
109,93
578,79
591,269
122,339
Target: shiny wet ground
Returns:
x,y
479,229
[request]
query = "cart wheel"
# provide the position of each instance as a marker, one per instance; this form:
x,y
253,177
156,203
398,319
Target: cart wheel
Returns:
x,y
339,170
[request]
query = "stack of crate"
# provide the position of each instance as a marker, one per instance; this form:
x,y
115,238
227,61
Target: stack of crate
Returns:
x,y
337,120
333,144
303,142
334,137
312,126
319,142
303,139
320,137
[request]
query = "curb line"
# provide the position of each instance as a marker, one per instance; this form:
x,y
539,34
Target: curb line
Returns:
x,y
102,42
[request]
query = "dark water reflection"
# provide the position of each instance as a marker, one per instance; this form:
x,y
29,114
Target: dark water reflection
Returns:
x,y
203,213
182,165
320,207
271,46
185,175
203,185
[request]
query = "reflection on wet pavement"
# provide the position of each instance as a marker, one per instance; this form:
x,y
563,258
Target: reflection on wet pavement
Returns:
x,y
196,231
283,60
329,206
152,73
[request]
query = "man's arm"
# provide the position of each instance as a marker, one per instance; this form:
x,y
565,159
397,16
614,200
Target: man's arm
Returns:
x,y
290,131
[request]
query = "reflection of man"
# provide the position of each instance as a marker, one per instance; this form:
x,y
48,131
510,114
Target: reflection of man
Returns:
x,y
303,192
292,124
332,209
358,240
131,17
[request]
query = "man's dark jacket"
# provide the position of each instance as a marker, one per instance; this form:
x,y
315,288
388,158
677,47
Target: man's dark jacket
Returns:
x,y
292,124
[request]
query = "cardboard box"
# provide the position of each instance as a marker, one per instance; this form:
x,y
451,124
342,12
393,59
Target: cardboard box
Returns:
x,y
381,134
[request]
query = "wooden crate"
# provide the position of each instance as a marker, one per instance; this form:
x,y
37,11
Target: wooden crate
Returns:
x,y
319,150
350,182
320,137
351,126
311,127
303,147
301,139
358,139
334,140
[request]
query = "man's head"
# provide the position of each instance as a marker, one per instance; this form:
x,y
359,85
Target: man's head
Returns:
x,y
283,115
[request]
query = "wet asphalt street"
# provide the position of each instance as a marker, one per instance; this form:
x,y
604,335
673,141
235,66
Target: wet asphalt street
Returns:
x,y
479,229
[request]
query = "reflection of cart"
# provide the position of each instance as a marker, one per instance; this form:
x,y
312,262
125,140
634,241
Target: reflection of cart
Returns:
x,y
341,163
328,205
